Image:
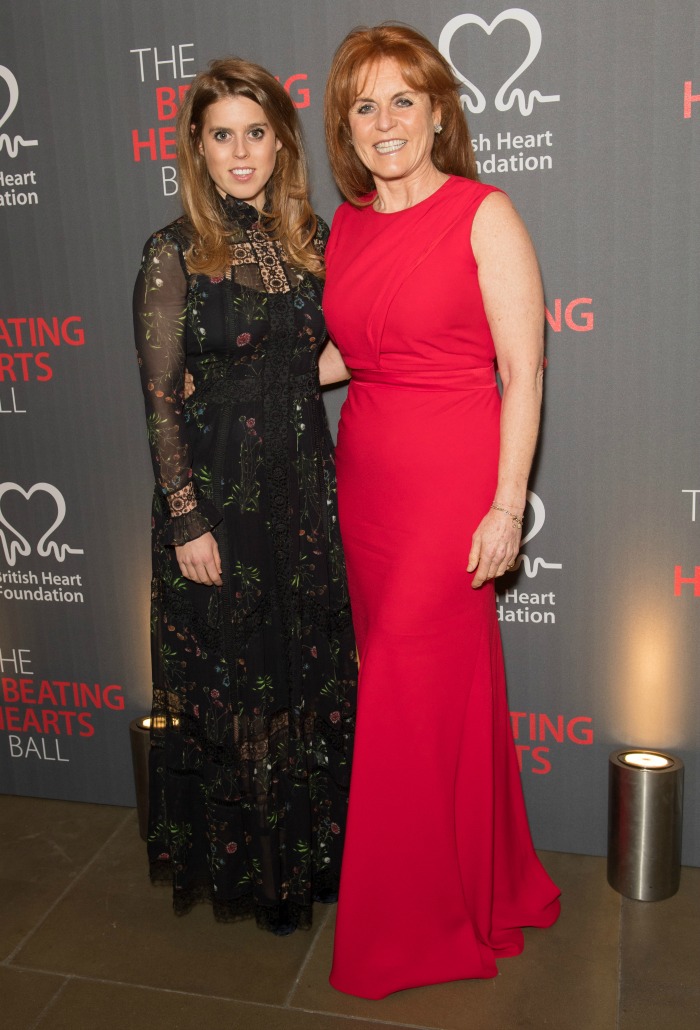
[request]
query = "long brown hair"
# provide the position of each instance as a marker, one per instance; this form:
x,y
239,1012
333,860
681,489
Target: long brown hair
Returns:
x,y
424,69
287,216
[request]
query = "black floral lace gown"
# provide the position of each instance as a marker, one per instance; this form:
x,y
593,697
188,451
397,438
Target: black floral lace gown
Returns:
x,y
254,682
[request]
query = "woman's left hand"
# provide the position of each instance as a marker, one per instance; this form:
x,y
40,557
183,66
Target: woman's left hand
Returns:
x,y
331,367
495,547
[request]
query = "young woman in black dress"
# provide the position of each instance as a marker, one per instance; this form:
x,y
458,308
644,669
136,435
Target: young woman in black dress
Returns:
x,y
253,655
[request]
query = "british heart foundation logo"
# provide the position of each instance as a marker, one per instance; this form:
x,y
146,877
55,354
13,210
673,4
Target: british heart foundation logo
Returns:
x,y
14,542
536,606
11,144
533,565
507,94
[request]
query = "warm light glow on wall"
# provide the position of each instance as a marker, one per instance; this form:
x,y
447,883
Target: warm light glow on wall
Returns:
x,y
648,698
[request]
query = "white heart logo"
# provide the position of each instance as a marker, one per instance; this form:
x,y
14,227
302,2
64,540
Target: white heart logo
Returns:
x,y
538,511
533,565
18,544
478,103
11,81
12,146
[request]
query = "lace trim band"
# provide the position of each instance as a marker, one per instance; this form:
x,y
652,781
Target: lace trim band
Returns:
x,y
182,502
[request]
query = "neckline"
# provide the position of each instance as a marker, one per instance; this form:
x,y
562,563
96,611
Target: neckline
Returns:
x,y
413,207
240,210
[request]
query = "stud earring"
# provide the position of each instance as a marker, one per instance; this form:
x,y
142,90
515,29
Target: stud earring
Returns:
x,y
437,128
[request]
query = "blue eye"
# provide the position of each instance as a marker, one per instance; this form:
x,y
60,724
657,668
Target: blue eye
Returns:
x,y
257,133
404,102
364,108
220,135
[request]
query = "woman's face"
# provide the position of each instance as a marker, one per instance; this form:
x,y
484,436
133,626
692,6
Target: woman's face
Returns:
x,y
239,148
392,126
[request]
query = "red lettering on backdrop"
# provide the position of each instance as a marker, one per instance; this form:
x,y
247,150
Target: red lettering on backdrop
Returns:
x,y
46,694
26,691
68,710
166,139
580,730
303,95
679,580
36,334
579,322
689,99
51,720
538,755
31,722
167,101
87,727
11,364
12,719
10,690
158,144
538,728
138,144
75,337
41,361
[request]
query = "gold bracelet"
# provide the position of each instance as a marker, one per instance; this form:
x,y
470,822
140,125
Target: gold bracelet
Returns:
x,y
517,519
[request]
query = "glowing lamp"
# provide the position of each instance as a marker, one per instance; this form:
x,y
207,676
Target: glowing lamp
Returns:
x,y
646,759
159,723
645,822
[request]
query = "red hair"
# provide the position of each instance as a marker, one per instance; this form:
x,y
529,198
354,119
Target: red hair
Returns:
x,y
424,69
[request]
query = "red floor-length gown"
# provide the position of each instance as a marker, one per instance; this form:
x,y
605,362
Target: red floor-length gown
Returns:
x,y
439,871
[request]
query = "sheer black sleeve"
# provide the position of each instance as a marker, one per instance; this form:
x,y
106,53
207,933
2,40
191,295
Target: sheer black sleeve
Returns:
x,y
322,234
160,312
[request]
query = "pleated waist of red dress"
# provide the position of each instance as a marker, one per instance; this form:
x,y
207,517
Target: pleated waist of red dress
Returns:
x,y
420,379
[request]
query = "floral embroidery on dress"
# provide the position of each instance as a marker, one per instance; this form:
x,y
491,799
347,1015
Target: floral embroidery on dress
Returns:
x,y
254,683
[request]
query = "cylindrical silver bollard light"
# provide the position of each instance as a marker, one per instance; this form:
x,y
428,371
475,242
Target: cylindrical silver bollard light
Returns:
x,y
140,736
645,823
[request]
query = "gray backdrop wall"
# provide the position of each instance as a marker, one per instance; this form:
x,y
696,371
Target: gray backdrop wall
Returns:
x,y
588,114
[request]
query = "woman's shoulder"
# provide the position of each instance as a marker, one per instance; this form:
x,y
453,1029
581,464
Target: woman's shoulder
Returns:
x,y
164,251
465,199
472,190
177,235
168,246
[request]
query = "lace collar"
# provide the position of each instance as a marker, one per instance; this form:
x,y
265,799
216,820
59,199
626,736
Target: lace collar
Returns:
x,y
240,212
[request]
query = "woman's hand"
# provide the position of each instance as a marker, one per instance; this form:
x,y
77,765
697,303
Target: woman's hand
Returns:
x,y
495,546
331,367
199,560
188,388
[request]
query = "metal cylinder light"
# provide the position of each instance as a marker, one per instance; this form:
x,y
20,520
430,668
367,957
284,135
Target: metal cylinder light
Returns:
x,y
645,822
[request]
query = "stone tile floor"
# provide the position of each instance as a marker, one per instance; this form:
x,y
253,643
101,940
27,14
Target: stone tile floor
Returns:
x,y
86,942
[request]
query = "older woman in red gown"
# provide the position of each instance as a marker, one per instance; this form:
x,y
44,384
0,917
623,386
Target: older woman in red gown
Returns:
x,y
431,280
